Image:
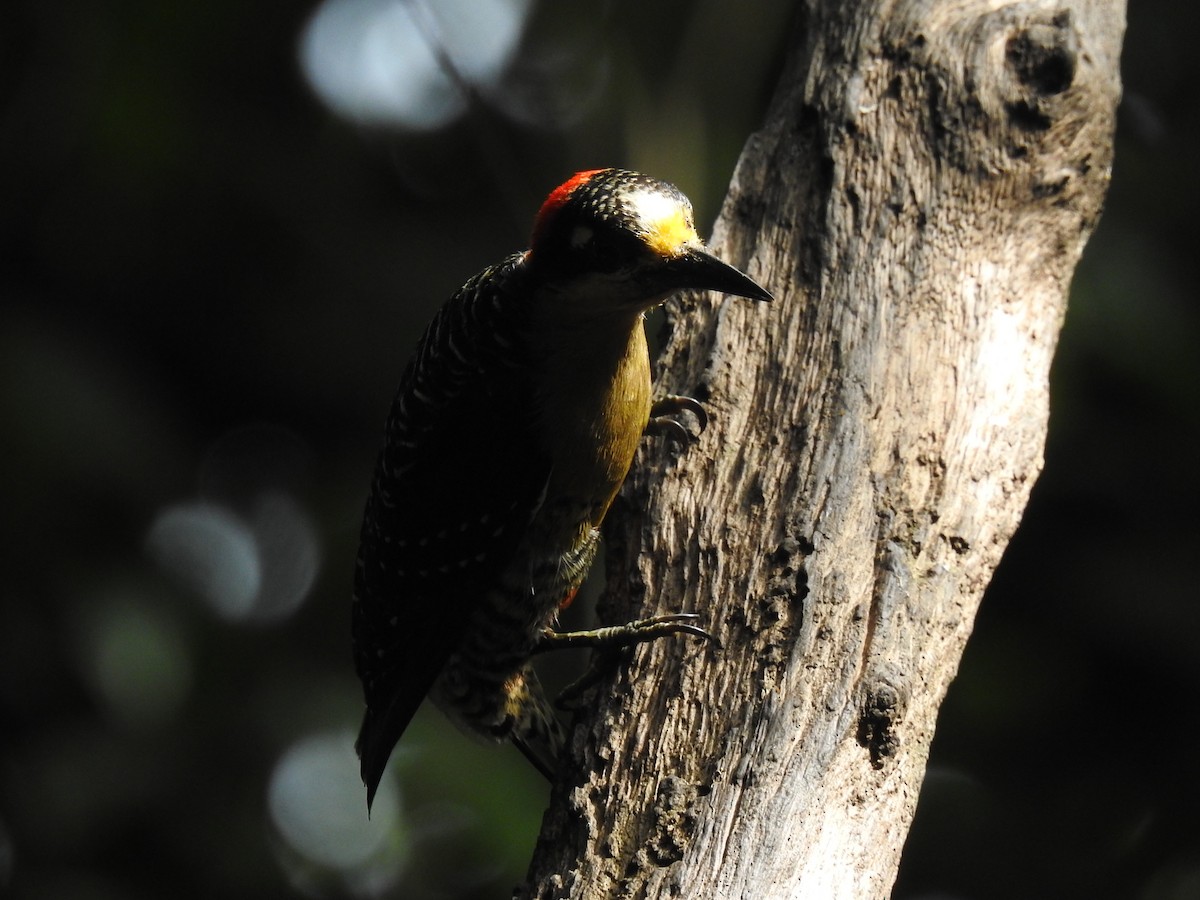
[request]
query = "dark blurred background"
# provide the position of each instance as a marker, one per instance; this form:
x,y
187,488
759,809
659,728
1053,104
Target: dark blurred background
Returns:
x,y
223,225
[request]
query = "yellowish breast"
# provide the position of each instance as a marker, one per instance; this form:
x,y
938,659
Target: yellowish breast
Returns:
x,y
595,406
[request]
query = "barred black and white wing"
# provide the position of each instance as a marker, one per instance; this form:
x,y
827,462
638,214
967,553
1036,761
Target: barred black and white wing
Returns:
x,y
457,483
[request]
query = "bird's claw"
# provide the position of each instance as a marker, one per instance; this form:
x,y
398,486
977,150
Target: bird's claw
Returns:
x,y
612,638
662,423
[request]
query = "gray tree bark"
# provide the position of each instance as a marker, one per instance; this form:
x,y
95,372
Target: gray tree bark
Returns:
x,y
917,201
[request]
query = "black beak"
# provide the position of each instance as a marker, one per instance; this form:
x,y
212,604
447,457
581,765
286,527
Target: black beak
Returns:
x,y
700,270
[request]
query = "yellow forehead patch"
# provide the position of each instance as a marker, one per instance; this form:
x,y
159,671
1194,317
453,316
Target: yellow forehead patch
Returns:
x,y
670,234
664,221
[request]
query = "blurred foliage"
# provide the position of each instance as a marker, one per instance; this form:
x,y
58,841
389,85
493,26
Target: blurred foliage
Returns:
x,y
208,288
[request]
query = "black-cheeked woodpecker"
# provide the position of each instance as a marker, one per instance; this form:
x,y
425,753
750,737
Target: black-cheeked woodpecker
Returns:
x,y
513,428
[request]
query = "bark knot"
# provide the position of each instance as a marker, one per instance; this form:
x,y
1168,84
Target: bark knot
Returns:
x,y
674,820
883,707
1044,55
789,568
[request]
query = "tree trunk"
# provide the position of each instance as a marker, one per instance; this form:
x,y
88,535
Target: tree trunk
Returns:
x,y
917,202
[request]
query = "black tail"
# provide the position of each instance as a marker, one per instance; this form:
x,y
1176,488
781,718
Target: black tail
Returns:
x,y
380,731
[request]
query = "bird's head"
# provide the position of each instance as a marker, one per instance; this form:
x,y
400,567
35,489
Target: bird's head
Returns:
x,y
611,240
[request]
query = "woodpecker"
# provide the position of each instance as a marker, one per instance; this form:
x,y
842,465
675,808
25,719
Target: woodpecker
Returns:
x,y
515,423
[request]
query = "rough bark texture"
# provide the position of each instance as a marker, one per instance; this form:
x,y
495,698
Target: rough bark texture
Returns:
x,y
917,201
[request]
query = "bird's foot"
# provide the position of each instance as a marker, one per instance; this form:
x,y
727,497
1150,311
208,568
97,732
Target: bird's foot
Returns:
x,y
612,638
662,421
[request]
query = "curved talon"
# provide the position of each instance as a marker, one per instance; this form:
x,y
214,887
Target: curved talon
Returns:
x,y
672,405
670,429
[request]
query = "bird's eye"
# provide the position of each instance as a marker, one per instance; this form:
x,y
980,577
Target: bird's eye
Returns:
x,y
610,251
